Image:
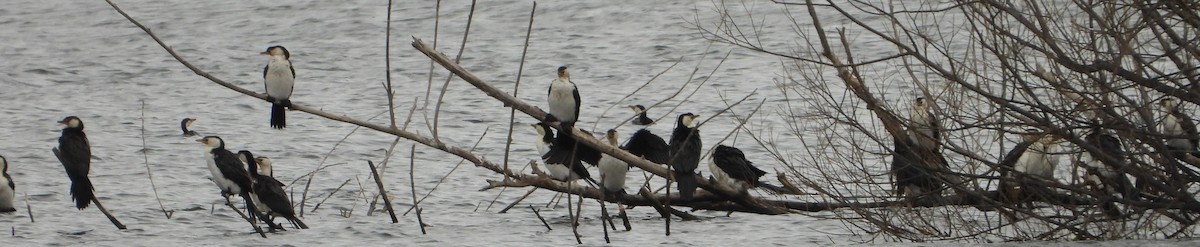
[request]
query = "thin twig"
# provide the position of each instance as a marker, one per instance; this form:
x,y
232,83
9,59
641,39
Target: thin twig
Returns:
x,y
146,159
387,202
512,113
335,190
412,183
539,215
437,108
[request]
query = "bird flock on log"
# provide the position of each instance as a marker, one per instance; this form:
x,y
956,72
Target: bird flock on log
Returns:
x,y
918,169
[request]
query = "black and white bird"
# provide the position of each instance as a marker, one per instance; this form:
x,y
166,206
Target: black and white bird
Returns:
x,y
917,159
7,188
279,77
649,146
1105,177
730,167
563,155
924,127
228,172
269,197
187,122
685,154
612,170
641,119
1179,128
75,154
563,97
1030,159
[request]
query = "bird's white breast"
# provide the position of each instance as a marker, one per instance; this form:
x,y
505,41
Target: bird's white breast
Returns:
x,y
218,177
1037,161
279,78
562,100
612,172
6,193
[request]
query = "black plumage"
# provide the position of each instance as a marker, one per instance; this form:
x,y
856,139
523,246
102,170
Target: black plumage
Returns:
x,y
271,198
568,151
1106,177
75,154
649,146
229,173
187,122
685,154
641,118
734,169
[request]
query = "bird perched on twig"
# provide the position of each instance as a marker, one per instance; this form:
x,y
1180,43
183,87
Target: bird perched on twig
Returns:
x,y
685,154
279,77
75,153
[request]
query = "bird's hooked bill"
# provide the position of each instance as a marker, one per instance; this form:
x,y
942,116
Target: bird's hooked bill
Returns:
x,y
200,140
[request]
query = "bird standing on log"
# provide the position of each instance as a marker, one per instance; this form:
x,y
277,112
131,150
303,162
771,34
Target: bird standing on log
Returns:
x,y
7,188
730,167
685,154
229,173
1030,161
564,98
75,153
279,78
269,197
612,170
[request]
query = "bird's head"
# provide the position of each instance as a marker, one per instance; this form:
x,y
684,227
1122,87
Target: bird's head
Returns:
x,y
687,120
562,73
1167,103
611,135
277,51
212,142
639,109
72,122
919,103
264,165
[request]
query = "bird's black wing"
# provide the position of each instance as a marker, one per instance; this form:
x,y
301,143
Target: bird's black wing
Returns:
x,y
1010,160
265,69
1189,128
733,162
685,149
293,68
579,102
232,168
270,192
76,153
649,146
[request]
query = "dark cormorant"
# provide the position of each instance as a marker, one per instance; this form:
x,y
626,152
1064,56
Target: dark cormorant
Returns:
x,y
187,122
730,167
641,118
563,97
685,154
228,172
917,159
7,188
1107,179
649,146
75,153
279,77
269,197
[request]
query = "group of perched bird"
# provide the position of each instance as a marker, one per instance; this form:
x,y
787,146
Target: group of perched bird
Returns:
x,y
564,156
239,174
919,169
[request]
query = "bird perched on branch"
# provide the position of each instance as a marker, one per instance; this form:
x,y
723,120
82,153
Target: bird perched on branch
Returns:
x,y
730,167
7,188
563,97
649,146
187,122
561,154
269,197
641,119
1103,177
612,170
75,154
917,159
685,154
279,77
229,173
1029,162
1179,127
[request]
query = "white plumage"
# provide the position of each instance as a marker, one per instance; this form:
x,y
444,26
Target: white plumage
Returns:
x,y
564,97
1037,160
7,190
612,170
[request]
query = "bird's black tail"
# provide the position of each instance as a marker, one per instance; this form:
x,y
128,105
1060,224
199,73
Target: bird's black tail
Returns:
x,y
278,116
82,192
296,222
687,184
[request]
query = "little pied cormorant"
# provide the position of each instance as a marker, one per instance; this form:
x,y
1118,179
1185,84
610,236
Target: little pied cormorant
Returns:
x,y
1179,127
1028,160
75,153
279,77
563,97
612,170
1107,179
187,122
563,155
269,197
685,154
649,146
917,159
730,167
228,171
641,119
7,188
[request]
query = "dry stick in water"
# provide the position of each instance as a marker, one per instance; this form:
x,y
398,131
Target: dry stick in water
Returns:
x,y
412,183
514,203
512,113
28,208
539,215
335,191
146,159
388,156
387,201
437,108
456,166
437,19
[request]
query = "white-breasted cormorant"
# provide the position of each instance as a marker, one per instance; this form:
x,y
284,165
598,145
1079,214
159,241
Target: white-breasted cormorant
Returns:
x,y
685,154
1029,160
730,167
269,197
279,77
228,172
75,153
